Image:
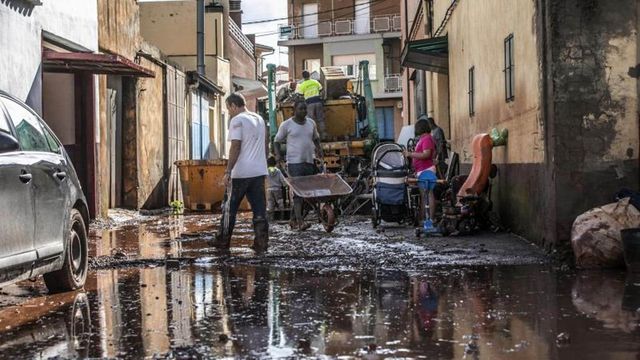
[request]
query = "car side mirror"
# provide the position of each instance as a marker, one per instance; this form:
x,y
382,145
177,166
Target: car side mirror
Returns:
x,y
8,143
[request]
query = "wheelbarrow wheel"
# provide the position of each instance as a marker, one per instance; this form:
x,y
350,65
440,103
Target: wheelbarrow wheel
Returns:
x,y
328,217
374,219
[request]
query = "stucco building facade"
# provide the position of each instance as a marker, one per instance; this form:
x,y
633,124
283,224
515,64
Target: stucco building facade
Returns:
x,y
559,75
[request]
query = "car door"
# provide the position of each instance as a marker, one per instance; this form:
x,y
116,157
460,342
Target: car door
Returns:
x,y
17,220
49,172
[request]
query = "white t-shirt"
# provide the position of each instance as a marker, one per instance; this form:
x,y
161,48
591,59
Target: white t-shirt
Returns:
x,y
250,129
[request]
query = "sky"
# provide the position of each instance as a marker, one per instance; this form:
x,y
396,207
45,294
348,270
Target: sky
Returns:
x,y
261,10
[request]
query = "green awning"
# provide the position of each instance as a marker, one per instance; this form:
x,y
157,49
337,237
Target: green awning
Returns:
x,y
428,54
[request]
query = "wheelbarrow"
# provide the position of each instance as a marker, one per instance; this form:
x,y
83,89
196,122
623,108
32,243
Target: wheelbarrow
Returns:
x,y
320,192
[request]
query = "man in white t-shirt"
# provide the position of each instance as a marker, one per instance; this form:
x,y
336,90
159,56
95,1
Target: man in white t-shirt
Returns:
x,y
246,171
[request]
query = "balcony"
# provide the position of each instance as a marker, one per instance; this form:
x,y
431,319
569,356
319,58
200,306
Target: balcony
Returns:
x,y
240,38
345,27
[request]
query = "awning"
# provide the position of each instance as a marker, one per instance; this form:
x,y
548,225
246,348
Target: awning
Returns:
x,y
249,87
203,83
94,63
428,54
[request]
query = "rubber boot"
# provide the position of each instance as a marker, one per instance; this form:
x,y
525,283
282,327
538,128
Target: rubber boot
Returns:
x,y
220,242
261,238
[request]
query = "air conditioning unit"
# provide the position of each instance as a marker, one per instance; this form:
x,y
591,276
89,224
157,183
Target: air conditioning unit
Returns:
x,y
235,5
324,28
343,27
393,84
381,24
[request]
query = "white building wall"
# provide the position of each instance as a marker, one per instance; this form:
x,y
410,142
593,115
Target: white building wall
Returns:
x,y
21,30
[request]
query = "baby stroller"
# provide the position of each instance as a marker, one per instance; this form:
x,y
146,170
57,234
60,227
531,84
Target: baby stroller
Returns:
x,y
393,200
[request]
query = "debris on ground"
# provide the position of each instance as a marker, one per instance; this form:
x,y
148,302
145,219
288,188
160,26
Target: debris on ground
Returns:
x,y
595,235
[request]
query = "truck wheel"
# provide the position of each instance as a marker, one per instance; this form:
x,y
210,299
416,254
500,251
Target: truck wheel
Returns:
x,y
74,269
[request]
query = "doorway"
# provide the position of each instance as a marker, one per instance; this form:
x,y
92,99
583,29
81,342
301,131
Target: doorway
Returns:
x,y
68,109
114,139
363,16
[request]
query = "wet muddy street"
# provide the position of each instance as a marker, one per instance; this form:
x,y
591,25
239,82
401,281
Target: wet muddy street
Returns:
x,y
163,293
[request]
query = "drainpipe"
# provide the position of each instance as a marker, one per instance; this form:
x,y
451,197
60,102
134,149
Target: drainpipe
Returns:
x,y
200,36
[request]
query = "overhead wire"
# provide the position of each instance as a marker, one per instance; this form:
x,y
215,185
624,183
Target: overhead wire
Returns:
x,y
314,24
303,15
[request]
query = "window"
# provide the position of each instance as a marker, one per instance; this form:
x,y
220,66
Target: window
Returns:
x,y
472,79
54,145
312,65
509,81
28,129
351,64
4,123
310,20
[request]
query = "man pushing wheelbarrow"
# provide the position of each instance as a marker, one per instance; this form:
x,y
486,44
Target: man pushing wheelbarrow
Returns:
x,y
300,133
317,191
245,174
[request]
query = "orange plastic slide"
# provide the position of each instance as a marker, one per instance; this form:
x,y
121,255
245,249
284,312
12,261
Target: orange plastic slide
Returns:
x,y
480,169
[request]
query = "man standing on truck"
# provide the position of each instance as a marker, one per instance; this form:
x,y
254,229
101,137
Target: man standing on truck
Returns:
x,y
245,173
302,138
311,89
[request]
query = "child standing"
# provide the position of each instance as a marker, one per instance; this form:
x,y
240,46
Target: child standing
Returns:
x,y
275,183
423,164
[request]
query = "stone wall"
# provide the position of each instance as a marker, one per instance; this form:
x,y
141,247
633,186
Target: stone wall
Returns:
x,y
594,103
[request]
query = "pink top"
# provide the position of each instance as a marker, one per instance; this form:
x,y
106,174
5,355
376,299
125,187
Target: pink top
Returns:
x,y
425,143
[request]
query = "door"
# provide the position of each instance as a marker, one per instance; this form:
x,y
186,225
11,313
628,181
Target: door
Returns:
x,y
175,128
310,20
49,172
384,116
363,16
196,128
204,123
17,221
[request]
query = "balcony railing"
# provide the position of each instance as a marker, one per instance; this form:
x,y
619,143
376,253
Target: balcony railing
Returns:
x,y
392,83
240,37
376,24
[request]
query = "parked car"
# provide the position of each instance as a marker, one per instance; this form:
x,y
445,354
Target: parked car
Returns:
x,y
43,211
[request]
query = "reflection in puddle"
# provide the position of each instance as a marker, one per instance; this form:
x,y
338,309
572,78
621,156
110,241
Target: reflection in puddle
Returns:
x,y
247,311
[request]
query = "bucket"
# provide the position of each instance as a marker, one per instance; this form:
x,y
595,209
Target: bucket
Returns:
x,y
631,296
631,247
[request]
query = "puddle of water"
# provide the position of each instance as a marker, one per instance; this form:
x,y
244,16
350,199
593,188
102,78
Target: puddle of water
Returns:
x,y
252,312
164,237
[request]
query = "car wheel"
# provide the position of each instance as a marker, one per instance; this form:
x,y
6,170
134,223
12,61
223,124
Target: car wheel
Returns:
x,y
74,270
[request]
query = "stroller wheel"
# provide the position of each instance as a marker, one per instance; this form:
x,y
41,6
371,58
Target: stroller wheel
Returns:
x,y
374,219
